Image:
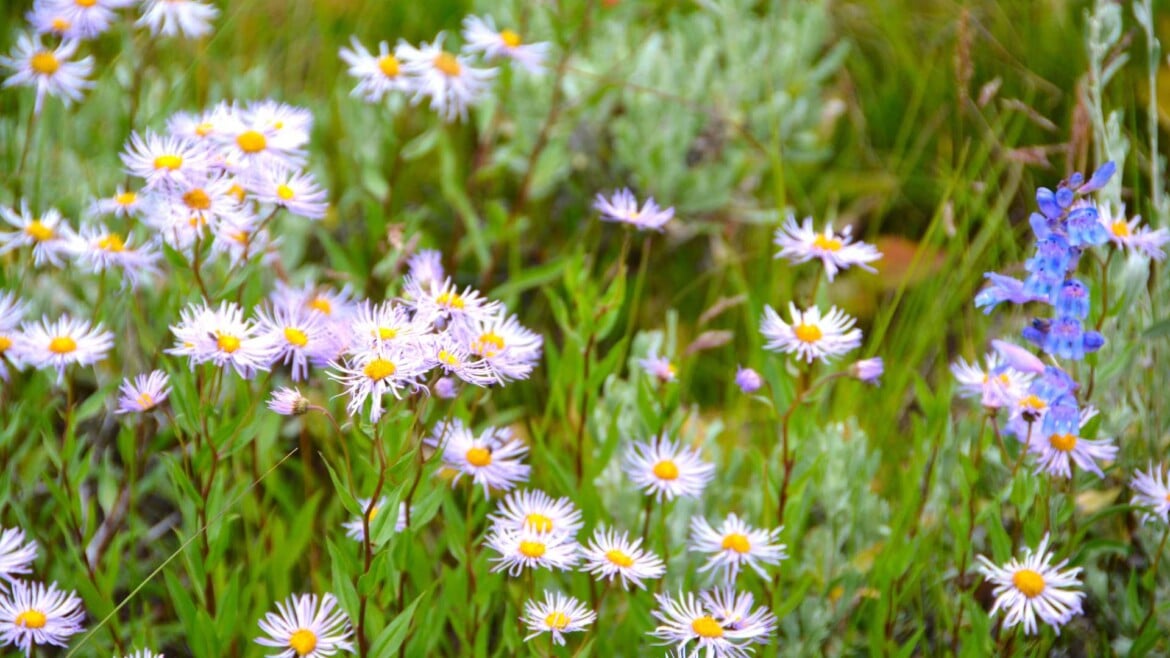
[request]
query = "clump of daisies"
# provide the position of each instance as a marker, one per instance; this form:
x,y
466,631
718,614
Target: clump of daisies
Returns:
x,y
450,79
31,613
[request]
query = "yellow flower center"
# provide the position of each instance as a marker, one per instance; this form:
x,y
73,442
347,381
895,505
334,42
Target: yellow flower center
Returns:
x,y
168,162
204,129
450,300
447,64
1120,228
619,558
38,231
666,470
448,358
510,38
556,619
60,25
1063,442
197,199
295,336
237,191
489,344
227,343
31,619
1030,583
385,333
737,542
1033,402
808,333
388,65
112,242
125,198
538,522
5,343
531,548
241,237
706,626
321,304
251,141
44,63
145,401
828,244
379,369
478,456
85,3
285,192
303,642
62,345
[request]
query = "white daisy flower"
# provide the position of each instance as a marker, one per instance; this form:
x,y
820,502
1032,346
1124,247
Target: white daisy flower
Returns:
x,y
537,510
184,18
31,613
622,207
734,612
12,312
528,549
801,243
452,358
609,554
250,139
16,554
492,459
557,614
735,544
354,529
693,625
49,235
241,237
97,249
334,304
376,324
667,469
57,345
1034,589
1131,234
300,338
1057,451
449,80
507,348
372,373
481,36
307,627
53,18
288,402
292,190
143,393
659,367
123,203
198,127
223,337
426,267
1151,490
165,161
291,123
48,69
810,335
377,76
441,302
189,207
87,18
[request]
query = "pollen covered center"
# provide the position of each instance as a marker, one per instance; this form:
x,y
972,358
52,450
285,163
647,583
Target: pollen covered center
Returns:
x,y
38,231
204,129
510,38
532,549
60,25
1120,228
44,63
227,343
489,344
379,369
296,337
5,343
666,470
31,619
62,345
538,522
168,161
252,141
1030,583
1033,402
111,242
285,192
125,198
321,304
556,619
145,400
85,3
447,64
450,300
706,626
478,456
827,243
388,65
1063,442
619,558
807,333
737,542
386,333
304,641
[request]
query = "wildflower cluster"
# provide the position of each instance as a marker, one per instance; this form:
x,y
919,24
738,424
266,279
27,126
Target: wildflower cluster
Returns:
x,y
32,614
